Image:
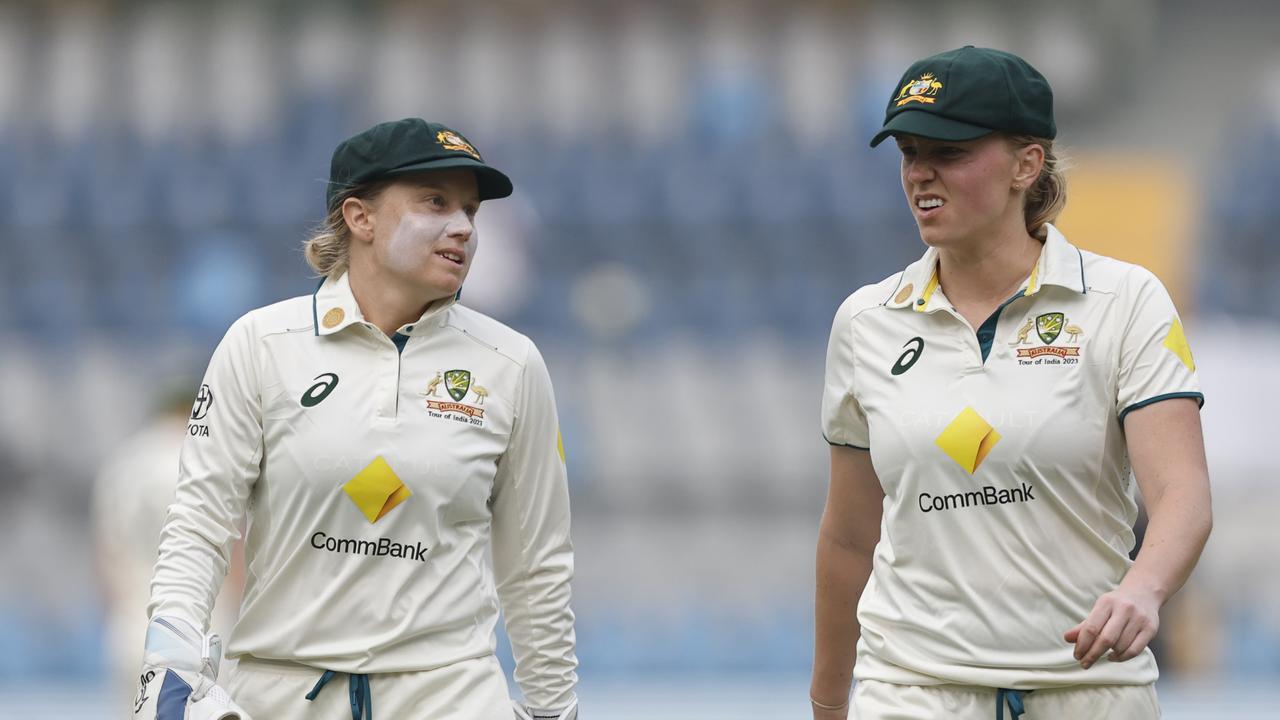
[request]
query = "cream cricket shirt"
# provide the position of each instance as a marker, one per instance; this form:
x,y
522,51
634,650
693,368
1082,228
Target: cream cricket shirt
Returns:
x,y
1008,504
375,474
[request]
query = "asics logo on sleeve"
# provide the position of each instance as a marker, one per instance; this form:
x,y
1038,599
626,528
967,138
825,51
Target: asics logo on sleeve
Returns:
x,y
318,392
915,347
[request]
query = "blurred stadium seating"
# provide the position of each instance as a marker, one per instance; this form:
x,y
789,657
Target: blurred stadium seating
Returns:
x,y
702,200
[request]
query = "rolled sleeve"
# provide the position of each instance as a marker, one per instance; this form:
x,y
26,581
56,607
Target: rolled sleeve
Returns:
x,y
532,551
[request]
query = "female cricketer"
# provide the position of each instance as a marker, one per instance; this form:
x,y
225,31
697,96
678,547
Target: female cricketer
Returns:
x,y
381,441
984,408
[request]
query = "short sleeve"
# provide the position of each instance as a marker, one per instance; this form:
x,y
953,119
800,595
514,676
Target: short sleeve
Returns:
x,y
843,421
1155,357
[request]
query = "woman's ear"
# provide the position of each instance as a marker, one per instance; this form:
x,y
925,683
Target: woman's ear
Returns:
x,y
358,215
1030,161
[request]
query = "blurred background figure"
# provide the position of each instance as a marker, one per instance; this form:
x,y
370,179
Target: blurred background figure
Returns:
x,y
131,496
696,201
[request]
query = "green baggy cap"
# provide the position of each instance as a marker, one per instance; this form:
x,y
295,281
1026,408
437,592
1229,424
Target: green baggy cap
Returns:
x,y
407,146
967,93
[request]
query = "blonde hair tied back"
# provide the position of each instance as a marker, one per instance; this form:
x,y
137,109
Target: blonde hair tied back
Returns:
x,y
1047,196
328,249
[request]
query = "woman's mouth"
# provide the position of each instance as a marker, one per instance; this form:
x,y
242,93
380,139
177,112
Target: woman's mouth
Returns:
x,y
929,206
456,257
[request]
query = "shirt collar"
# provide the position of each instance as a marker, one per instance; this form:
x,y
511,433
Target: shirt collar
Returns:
x,y
334,308
1060,263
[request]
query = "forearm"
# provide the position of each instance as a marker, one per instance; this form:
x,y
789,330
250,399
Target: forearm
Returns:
x,y
540,626
1179,521
842,573
190,566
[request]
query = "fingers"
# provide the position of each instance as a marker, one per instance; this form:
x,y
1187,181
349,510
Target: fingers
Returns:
x,y
1092,627
1127,636
1136,646
1118,625
1106,638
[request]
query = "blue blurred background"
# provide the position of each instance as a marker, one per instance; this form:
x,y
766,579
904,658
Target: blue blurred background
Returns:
x,y
694,199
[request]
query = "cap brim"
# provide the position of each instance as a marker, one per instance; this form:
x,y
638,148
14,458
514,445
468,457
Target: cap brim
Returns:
x,y
491,183
929,125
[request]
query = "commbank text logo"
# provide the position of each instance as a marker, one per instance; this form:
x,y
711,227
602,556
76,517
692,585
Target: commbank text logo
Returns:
x,y
968,440
375,490
382,547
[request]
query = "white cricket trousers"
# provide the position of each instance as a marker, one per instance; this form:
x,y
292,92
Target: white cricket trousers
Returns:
x,y
466,690
874,700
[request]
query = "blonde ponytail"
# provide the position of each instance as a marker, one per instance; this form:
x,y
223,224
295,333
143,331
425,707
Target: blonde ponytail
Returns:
x,y
328,250
1047,196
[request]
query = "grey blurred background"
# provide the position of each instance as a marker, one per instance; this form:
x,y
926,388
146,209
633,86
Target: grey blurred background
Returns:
x,y
694,199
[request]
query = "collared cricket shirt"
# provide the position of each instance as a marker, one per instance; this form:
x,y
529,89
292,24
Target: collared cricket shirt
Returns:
x,y
1008,503
376,473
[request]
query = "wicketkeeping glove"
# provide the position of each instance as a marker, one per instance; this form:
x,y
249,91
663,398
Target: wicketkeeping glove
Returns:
x,y
527,713
179,674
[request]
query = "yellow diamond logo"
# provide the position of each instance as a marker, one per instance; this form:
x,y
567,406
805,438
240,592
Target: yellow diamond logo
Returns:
x,y
1176,341
376,490
968,440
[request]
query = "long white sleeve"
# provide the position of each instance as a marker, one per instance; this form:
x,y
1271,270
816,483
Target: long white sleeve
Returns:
x,y
532,552
219,464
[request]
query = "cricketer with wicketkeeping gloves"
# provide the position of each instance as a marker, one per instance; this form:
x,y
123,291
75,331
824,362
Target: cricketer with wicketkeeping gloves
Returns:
x,y
378,471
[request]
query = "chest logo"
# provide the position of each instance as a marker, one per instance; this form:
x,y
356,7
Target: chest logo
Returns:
x,y
1049,327
968,439
915,347
376,490
458,385
315,394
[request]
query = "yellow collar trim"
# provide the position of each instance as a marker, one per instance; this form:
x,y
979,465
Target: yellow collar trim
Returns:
x,y
923,304
1032,283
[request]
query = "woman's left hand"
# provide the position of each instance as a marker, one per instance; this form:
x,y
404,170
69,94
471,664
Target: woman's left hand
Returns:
x,y
1123,621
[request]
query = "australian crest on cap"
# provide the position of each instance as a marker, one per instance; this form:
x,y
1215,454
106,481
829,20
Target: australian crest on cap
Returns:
x,y
450,140
921,90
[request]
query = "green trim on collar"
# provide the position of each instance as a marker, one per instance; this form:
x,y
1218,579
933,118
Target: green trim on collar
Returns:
x,y
1084,288
400,341
894,293
315,299
988,327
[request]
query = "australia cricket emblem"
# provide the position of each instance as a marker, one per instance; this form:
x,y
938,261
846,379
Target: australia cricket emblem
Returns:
x,y
1049,327
453,141
456,383
921,90
460,386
